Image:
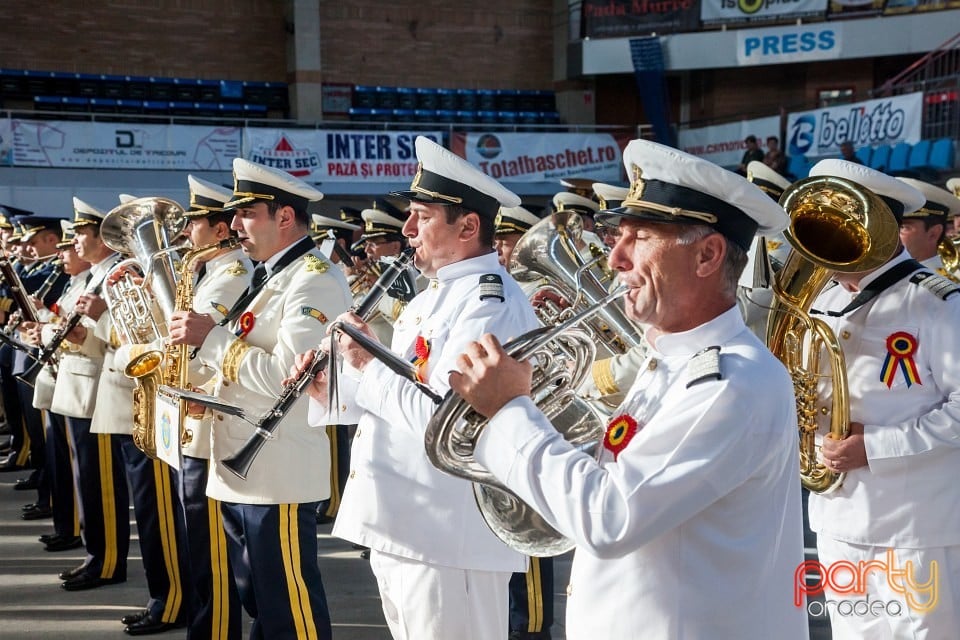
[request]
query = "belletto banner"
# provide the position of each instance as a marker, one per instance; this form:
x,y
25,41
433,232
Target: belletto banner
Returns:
x,y
717,12
883,121
896,7
541,157
723,144
336,155
101,145
618,18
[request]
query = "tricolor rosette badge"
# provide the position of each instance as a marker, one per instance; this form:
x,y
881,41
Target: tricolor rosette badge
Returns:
x,y
620,430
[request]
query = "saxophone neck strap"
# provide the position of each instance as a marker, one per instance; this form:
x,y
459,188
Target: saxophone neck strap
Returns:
x,y
882,283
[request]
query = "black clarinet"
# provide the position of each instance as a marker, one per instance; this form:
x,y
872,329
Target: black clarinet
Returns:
x,y
46,356
239,463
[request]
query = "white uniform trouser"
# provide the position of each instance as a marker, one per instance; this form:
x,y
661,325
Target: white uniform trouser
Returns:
x,y
930,611
429,602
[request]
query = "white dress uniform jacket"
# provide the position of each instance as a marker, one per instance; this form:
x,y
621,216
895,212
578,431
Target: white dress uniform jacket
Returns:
x,y
396,501
227,277
907,495
290,316
79,368
694,531
46,381
113,412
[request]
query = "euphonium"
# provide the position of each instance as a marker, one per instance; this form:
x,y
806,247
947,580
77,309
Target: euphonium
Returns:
x,y
548,251
168,366
562,354
564,350
836,225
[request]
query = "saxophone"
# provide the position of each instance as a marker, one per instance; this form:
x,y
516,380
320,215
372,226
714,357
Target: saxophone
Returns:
x,y
836,225
168,366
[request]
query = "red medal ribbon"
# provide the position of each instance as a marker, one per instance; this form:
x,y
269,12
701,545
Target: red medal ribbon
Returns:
x,y
620,431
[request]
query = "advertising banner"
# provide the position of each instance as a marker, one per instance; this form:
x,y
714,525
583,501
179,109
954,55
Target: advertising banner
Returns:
x,y
778,45
717,12
6,142
336,155
544,157
855,8
123,145
618,18
723,144
896,7
883,121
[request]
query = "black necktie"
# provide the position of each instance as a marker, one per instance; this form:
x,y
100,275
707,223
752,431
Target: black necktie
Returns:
x,y
259,276
201,272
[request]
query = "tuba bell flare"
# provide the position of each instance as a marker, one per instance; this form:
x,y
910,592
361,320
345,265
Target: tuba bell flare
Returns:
x,y
836,226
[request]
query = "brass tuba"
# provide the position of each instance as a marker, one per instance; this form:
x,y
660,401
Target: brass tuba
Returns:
x,y
563,351
836,225
146,229
950,256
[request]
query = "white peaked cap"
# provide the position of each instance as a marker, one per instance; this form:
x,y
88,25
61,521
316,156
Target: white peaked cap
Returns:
x,y
939,202
668,185
85,214
254,182
324,222
567,201
446,178
610,195
953,184
899,196
768,180
206,197
515,220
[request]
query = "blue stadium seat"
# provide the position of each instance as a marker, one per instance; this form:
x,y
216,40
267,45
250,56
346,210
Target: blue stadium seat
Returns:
x,y
941,154
899,157
864,154
919,155
880,158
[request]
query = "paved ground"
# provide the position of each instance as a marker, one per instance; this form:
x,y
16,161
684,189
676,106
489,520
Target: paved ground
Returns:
x,y
32,605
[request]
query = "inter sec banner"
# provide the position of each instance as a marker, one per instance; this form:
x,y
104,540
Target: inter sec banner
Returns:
x,y
336,155
543,157
122,145
716,12
882,121
618,18
723,144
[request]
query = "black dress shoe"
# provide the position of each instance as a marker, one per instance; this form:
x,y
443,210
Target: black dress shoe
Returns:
x,y
41,512
9,463
26,484
64,543
323,518
30,507
85,581
72,573
47,537
149,624
133,618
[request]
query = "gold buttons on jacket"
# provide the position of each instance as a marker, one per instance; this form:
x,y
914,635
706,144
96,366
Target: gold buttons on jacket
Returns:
x,y
652,365
353,474
845,334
